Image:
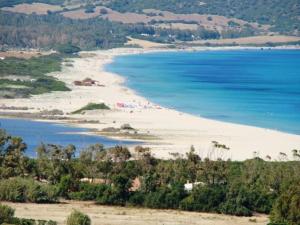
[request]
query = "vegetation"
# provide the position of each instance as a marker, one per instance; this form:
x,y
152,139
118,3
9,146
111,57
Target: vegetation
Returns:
x,y
15,2
91,106
26,190
30,76
49,31
7,217
283,16
78,218
229,187
6,214
68,48
52,30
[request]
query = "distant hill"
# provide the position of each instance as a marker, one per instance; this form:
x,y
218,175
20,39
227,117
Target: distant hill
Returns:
x,y
107,23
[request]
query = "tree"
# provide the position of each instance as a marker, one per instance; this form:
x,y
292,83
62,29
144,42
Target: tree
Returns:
x,y
89,8
119,154
12,156
287,206
68,48
103,11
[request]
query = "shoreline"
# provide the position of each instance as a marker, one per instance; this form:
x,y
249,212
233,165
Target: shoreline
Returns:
x,y
175,131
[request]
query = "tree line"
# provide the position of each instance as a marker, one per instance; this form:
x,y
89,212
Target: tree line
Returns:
x,y
223,186
53,30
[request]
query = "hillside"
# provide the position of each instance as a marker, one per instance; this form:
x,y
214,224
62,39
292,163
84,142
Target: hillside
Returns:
x,y
109,23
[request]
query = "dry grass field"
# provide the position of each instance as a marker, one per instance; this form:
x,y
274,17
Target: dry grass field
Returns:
x,y
23,54
108,215
38,8
251,40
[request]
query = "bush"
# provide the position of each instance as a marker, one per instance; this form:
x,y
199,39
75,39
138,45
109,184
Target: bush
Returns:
x,y
22,221
232,208
26,190
89,8
136,199
286,209
68,49
6,214
88,192
91,106
165,197
78,218
206,198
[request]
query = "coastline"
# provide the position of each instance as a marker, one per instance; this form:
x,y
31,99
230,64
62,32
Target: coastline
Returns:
x,y
174,131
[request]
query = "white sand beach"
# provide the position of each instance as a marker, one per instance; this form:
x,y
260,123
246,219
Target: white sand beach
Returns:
x,y
174,131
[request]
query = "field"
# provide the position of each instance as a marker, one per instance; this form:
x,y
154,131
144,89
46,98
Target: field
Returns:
x,y
38,8
23,54
183,21
129,216
251,40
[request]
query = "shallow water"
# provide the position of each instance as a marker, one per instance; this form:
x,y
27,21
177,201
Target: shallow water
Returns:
x,y
34,133
252,87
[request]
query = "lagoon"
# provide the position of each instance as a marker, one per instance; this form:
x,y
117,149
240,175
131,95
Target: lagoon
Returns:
x,y
35,132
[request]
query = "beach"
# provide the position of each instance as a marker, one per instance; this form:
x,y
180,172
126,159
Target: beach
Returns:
x,y
164,130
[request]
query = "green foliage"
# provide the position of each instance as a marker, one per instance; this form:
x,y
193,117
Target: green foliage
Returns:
x,y
26,190
78,218
287,207
23,221
204,198
283,15
236,188
57,30
7,217
118,193
89,192
91,106
6,214
89,8
166,198
36,68
68,48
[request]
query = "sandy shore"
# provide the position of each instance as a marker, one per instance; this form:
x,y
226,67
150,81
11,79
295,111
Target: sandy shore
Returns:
x,y
173,131
110,215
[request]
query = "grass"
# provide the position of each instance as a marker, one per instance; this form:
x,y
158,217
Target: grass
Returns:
x,y
37,69
91,106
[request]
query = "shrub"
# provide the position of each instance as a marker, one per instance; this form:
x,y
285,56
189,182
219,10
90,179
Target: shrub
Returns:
x,y
26,190
68,49
286,209
165,197
89,8
233,208
88,192
91,106
103,11
206,198
23,221
136,199
78,218
6,214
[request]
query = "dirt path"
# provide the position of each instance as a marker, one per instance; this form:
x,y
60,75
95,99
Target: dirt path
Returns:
x,y
106,215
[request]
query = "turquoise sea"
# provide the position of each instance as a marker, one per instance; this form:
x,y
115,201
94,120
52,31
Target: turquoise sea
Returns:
x,y
252,87
34,133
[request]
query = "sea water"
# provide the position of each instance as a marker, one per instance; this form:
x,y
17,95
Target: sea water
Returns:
x,y
253,87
